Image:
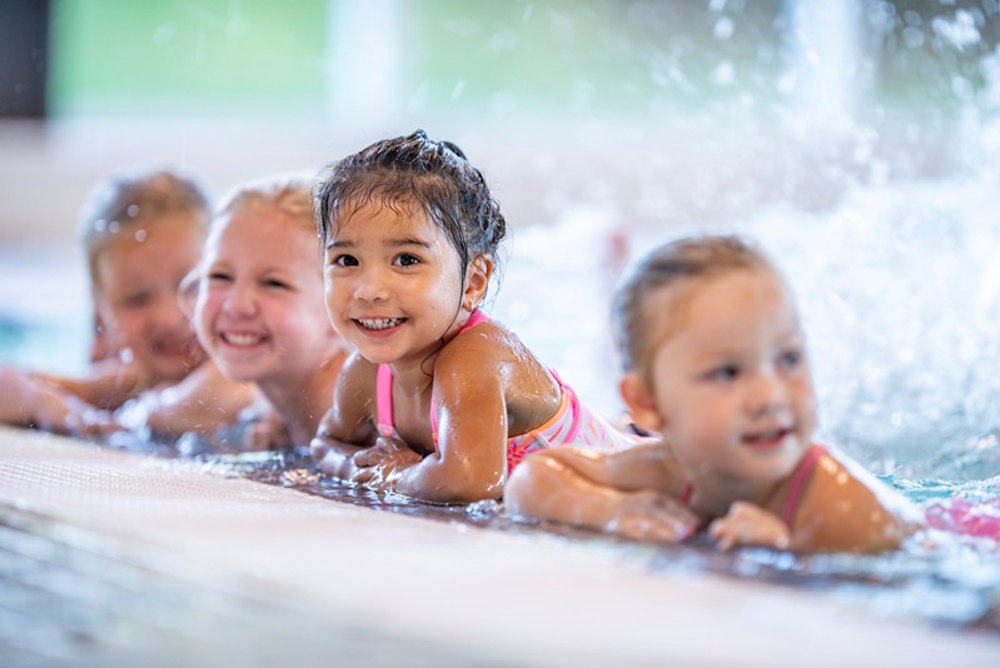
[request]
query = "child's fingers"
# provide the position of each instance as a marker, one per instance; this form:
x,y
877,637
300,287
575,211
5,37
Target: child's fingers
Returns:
x,y
99,423
362,476
723,533
747,524
367,457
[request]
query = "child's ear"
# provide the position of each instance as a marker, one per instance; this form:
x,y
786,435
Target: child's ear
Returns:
x,y
477,279
639,401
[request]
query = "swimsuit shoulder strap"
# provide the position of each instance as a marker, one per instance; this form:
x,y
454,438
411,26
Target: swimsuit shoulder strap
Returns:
x,y
383,399
477,317
797,487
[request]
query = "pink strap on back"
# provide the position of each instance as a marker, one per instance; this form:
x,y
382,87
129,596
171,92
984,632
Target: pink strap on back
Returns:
x,y
799,479
383,398
475,318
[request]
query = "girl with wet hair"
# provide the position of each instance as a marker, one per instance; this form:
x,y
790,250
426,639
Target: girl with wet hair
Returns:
x,y
715,365
438,401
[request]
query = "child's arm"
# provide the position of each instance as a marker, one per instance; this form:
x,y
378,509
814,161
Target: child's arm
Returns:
x,y
202,402
470,461
108,384
347,428
26,401
627,493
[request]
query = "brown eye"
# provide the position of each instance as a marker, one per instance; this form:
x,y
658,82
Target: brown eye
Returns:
x,y
345,261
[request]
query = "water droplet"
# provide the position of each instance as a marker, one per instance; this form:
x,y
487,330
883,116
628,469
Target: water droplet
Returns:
x,y
724,28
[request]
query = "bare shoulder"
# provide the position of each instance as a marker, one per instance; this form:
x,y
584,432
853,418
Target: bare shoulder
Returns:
x,y
845,507
487,348
490,355
859,478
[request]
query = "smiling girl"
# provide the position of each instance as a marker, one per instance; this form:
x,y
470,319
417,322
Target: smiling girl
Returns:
x,y
260,311
715,363
438,402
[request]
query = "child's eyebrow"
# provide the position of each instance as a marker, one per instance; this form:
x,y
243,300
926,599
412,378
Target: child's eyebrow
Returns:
x,y
401,241
410,241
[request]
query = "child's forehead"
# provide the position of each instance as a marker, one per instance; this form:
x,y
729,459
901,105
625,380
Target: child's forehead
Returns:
x,y
263,237
259,219
355,218
723,301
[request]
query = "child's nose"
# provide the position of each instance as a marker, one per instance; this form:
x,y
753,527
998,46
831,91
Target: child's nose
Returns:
x,y
767,393
240,301
371,285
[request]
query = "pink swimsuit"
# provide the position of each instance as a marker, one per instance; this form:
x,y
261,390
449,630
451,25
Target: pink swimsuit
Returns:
x,y
572,424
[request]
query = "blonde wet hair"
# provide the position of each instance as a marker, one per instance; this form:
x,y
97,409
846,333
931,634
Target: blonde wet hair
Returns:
x,y
121,201
289,193
672,265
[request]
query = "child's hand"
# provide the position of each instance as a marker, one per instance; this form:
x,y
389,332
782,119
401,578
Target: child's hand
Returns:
x,y
268,433
652,516
60,412
747,524
382,463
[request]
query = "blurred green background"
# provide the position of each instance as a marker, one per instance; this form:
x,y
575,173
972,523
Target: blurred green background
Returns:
x,y
499,57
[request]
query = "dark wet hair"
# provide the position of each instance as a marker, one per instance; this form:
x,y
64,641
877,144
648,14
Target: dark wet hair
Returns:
x,y
415,170
673,263
122,200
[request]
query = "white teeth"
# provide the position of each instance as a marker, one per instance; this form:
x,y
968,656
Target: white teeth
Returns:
x,y
380,323
242,339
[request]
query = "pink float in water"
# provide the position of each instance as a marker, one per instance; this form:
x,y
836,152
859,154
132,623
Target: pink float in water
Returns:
x,y
962,516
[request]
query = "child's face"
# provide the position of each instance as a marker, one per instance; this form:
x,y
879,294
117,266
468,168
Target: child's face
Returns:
x,y
731,389
259,311
393,282
137,273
